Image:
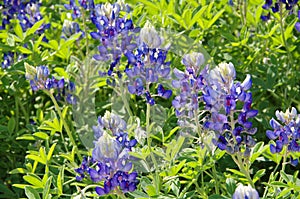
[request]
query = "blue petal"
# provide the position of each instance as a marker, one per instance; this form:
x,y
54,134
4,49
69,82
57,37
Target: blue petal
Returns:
x,y
271,135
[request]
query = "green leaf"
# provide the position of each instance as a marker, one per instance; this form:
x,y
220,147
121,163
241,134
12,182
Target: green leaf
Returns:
x,y
230,185
35,27
31,193
34,180
24,50
198,15
18,170
10,40
36,158
216,196
284,176
279,184
26,137
194,33
41,135
18,30
43,154
54,44
51,151
11,125
214,19
60,181
3,35
259,174
47,188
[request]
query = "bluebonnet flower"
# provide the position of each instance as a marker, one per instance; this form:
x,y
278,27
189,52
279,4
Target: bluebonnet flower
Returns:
x,y
70,28
7,59
115,33
222,97
27,12
39,79
75,9
191,83
111,159
148,65
245,192
297,25
275,6
286,132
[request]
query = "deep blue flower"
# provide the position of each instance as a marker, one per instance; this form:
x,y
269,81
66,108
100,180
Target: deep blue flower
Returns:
x,y
111,160
116,33
7,59
222,96
297,25
276,5
191,82
75,9
162,92
286,131
70,28
40,79
147,65
294,162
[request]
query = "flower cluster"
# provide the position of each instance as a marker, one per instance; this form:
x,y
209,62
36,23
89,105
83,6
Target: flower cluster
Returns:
x,y
27,12
243,192
40,79
190,82
110,160
85,4
276,6
148,65
285,134
114,31
8,59
226,100
70,28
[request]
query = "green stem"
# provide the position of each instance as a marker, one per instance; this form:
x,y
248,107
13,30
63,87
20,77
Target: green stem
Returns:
x,y
61,117
123,96
245,171
269,181
216,179
17,114
282,34
86,31
25,113
156,177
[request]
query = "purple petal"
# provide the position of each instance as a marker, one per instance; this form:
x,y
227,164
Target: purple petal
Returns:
x,y
247,83
176,84
95,177
131,89
274,124
100,191
297,26
179,74
272,148
132,187
95,35
271,135
167,94
98,57
251,113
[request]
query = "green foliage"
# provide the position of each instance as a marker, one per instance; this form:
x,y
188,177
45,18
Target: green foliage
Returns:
x,y
38,157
